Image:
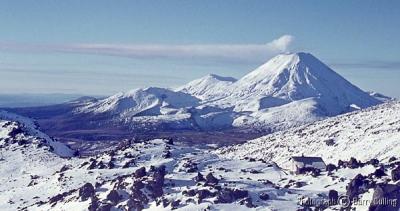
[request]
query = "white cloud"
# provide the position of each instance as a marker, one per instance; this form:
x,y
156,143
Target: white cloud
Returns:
x,y
215,52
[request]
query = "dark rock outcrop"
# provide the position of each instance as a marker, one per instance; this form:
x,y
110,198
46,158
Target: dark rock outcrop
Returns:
x,y
86,191
386,198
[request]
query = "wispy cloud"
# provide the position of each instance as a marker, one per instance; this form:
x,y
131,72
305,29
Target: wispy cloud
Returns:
x,y
222,52
381,65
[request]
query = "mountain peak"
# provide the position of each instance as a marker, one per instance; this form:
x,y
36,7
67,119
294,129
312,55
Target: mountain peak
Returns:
x,y
218,77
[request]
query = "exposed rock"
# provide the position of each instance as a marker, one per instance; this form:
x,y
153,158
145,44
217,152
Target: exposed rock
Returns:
x,y
330,142
239,194
134,205
203,194
167,154
333,196
247,202
396,174
379,173
104,207
355,186
391,159
385,198
86,191
140,172
374,162
330,167
114,197
353,163
199,177
129,163
210,179
264,196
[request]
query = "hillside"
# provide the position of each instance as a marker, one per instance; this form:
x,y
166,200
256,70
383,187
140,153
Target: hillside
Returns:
x,y
370,133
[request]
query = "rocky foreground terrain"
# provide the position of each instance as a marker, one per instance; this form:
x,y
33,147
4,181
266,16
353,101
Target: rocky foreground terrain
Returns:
x,y
162,175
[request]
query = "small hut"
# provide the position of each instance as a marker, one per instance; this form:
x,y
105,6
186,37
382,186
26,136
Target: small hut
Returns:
x,y
301,164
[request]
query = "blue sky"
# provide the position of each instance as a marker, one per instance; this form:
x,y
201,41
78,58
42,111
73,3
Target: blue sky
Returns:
x,y
102,47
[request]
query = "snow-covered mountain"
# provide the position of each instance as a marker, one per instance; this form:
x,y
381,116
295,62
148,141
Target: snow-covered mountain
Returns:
x,y
369,133
209,87
289,90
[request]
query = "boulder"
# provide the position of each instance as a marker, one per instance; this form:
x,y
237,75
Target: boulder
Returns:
x,y
140,172
385,198
248,202
113,197
396,174
353,163
330,167
264,196
86,191
355,186
225,196
199,177
134,205
239,194
374,162
333,197
378,173
210,179
391,159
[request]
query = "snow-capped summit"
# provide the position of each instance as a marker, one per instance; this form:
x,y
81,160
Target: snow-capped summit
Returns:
x,y
148,101
288,90
208,87
298,76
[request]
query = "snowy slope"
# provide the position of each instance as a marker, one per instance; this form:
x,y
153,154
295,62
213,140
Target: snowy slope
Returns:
x,y
30,129
131,177
208,87
149,101
365,134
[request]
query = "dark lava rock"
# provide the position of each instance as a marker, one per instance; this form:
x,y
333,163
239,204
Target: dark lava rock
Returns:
x,y
56,198
140,172
333,196
64,168
190,167
386,198
379,173
86,191
114,197
210,179
167,154
189,193
391,159
374,162
264,196
105,207
355,186
199,177
396,174
203,194
247,202
175,204
239,194
353,163
129,163
134,205
330,167
225,196
330,142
